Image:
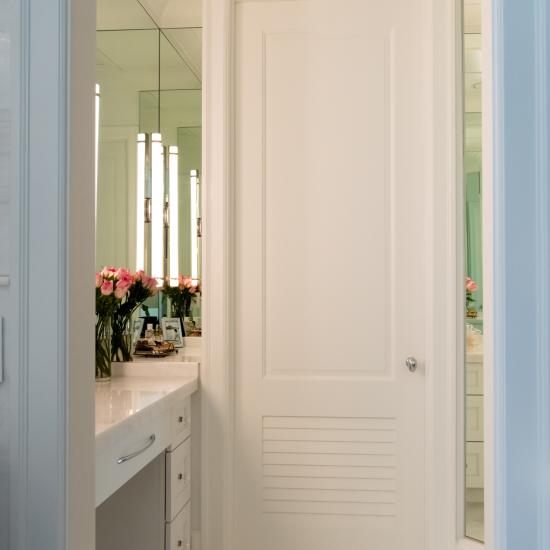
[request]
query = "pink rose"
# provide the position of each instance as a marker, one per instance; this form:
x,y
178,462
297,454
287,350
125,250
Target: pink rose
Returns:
x,y
107,288
107,272
126,280
471,285
139,275
123,274
98,280
121,290
151,284
185,282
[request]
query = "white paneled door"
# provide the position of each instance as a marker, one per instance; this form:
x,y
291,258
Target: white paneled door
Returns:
x,y
332,169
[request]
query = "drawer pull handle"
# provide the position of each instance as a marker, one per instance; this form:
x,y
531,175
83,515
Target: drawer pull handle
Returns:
x,y
150,441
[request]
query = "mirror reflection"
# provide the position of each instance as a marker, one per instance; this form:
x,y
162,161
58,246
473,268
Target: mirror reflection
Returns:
x,y
148,199
473,182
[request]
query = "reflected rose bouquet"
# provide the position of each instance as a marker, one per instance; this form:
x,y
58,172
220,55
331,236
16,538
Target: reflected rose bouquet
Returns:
x,y
183,296
471,287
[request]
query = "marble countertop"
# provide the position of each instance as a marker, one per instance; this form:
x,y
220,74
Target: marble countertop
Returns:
x,y
135,416
140,386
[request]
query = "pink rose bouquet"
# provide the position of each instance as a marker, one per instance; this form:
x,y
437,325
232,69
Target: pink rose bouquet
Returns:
x,y
118,294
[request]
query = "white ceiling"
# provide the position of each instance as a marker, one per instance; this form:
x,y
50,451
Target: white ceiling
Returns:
x,y
175,13
123,53
122,14
146,14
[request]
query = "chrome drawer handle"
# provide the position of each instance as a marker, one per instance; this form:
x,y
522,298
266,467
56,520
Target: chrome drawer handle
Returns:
x,y
150,441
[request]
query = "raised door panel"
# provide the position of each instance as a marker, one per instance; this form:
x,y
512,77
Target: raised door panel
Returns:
x,y
474,466
474,418
474,378
116,197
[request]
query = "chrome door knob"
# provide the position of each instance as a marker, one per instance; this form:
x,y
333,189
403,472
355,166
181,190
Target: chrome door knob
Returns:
x,y
410,363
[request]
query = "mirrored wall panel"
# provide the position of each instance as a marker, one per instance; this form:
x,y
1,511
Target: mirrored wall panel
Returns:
x,y
149,142
473,298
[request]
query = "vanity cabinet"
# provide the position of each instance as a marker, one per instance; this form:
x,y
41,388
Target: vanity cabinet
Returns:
x,y
178,531
474,421
178,479
151,509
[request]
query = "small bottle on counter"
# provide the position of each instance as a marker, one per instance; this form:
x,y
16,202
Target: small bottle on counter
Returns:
x,y
159,336
149,332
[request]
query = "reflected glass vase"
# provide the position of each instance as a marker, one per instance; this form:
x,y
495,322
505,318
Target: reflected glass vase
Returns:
x,y
121,342
103,335
179,313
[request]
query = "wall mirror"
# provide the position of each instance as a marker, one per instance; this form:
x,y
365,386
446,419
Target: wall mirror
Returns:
x,y
473,397
149,142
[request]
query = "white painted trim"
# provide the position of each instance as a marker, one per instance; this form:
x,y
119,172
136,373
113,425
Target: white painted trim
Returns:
x,y
217,373
52,434
542,265
79,244
445,307
494,263
490,255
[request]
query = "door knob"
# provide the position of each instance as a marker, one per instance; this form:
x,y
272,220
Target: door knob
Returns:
x,y
410,363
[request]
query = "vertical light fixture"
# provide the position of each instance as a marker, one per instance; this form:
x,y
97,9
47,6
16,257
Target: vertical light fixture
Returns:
x,y
173,214
157,208
97,97
140,201
195,221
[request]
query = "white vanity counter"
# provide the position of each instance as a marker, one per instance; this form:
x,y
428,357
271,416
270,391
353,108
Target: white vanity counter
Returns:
x,y
141,412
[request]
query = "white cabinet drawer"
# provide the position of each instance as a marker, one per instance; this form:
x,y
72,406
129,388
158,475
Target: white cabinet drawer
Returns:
x,y
178,531
178,479
474,465
474,418
121,453
181,422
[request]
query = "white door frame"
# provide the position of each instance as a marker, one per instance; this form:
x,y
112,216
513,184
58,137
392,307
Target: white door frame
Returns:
x,y
51,380
444,309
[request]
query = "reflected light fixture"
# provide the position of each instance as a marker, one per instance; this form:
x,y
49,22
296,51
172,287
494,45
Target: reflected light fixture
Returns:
x,y
173,214
97,97
157,208
195,223
140,201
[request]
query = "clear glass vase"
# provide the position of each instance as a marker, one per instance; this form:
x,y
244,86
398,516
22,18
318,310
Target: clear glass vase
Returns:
x,y
103,335
121,343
